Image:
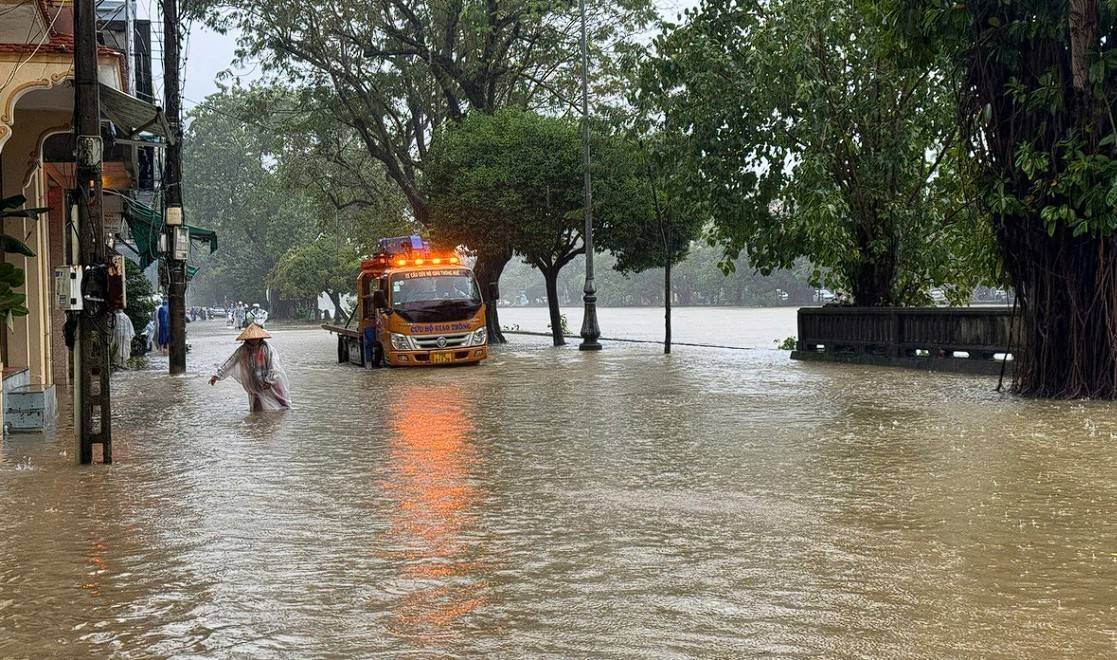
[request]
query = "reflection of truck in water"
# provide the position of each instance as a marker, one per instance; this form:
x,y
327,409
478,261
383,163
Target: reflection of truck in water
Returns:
x,y
415,307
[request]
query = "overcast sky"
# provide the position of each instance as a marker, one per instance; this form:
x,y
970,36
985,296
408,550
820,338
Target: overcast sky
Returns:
x,y
209,53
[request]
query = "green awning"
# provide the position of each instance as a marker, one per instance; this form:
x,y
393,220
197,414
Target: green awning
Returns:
x,y
132,115
146,225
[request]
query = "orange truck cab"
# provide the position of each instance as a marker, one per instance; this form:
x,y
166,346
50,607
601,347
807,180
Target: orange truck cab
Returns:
x,y
416,307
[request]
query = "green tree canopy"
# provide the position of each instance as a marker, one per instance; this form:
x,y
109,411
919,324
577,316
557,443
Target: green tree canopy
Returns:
x,y
649,214
812,137
647,217
326,265
272,180
230,186
1036,86
515,178
396,71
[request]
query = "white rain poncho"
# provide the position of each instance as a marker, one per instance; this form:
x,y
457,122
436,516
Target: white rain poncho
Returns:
x,y
257,315
122,334
257,369
149,335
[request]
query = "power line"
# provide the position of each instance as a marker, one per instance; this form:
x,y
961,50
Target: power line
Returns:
x,y
14,8
46,37
248,122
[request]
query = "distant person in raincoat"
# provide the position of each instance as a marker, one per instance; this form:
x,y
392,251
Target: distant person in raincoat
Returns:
x,y
122,334
163,331
255,365
148,336
257,315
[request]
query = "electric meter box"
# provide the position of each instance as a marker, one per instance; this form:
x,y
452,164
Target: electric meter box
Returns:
x,y
182,243
174,216
67,288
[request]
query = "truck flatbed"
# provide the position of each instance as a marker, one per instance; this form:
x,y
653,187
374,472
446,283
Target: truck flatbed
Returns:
x,y
338,330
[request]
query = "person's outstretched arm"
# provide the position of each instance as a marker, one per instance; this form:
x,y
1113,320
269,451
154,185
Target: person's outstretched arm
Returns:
x,y
224,369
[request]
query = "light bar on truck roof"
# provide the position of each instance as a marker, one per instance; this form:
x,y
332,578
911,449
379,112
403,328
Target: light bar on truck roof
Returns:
x,y
385,261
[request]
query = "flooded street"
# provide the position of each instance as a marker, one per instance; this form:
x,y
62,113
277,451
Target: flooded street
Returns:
x,y
746,327
550,502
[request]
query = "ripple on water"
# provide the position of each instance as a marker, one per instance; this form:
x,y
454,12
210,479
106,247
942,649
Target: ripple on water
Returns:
x,y
550,502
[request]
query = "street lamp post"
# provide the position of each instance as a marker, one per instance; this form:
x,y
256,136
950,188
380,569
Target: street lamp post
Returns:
x,y
590,329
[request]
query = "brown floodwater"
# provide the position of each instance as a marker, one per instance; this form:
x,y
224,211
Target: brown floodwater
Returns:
x,y
744,327
549,502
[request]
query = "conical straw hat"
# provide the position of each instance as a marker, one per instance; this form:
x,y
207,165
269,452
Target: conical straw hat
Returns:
x,y
253,331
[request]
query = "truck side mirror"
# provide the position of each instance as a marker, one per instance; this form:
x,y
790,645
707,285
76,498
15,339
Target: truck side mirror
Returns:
x,y
379,300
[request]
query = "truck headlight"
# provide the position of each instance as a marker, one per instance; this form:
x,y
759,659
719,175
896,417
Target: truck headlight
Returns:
x,y
479,337
402,342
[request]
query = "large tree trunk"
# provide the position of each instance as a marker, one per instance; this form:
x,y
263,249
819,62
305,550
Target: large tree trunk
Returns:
x,y
550,276
1083,35
667,306
488,270
335,298
872,282
1066,287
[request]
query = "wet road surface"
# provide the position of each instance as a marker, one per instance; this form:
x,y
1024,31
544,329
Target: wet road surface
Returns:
x,y
553,503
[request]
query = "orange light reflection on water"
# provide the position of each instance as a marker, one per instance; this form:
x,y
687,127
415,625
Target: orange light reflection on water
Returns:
x,y
431,455
99,566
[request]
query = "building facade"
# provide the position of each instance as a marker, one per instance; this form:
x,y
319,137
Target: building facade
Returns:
x,y
36,161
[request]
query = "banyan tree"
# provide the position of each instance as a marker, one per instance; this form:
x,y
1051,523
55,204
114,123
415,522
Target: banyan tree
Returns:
x,y
1036,82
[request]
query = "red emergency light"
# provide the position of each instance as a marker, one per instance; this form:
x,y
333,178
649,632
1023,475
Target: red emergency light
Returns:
x,y
384,260
424,261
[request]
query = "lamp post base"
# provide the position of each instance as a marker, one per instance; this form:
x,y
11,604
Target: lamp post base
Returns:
x,y
590,330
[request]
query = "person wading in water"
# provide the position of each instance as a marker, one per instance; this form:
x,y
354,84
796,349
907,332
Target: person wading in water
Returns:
x,y
255,365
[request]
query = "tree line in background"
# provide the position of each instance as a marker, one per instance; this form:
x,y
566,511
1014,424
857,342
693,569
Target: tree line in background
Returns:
x,y
898,147
697,280
293,218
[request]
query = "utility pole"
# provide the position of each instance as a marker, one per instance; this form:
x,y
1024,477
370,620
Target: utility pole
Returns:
x,y
129,44
91,354
590,329
176,238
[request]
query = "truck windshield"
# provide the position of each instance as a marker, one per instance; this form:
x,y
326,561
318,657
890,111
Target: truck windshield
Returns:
x,y
423,295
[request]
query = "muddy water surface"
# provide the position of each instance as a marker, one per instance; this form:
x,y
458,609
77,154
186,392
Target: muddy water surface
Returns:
x,y
710,503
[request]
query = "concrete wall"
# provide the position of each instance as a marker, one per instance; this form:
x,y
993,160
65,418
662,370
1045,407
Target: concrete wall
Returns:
x,y
31,338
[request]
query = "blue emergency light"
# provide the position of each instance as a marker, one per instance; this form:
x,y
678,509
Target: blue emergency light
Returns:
x,y
404,245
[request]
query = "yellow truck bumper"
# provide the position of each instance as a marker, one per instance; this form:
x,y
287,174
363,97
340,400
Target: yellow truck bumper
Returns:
x,y
449,356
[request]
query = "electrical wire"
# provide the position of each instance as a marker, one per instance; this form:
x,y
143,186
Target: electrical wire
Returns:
x,y
46,37
94,310
248,122
111,17
15,8
185,59
160,39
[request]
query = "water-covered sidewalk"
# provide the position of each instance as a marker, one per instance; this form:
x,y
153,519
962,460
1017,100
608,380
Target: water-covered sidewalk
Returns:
x,y
712,503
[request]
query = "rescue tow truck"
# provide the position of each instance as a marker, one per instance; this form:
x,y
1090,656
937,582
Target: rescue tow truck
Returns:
x,y
416,307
